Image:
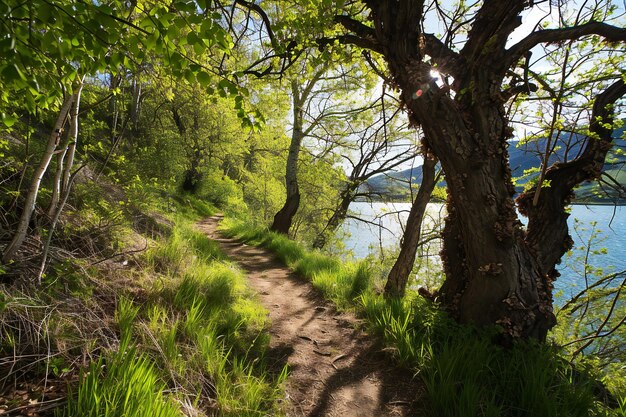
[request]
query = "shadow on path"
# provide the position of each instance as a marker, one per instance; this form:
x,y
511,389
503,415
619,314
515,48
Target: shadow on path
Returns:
x,y
335,368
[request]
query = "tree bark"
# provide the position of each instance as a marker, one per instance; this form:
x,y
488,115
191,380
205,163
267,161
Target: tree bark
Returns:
x,y
399,274
495,278
33,190
65,155
71,151
496,272
284,217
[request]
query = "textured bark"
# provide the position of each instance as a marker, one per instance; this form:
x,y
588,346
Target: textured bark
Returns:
x,y
399,274
33,190
284,217
496,273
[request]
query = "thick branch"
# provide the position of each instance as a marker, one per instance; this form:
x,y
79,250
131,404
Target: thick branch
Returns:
x,y
495,21
609,32
448,61
362,35
547,227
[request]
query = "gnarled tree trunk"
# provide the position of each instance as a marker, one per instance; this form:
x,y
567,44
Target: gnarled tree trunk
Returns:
x,y
496,272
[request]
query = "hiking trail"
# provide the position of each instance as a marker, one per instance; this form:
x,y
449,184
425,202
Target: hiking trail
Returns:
x,y
335,368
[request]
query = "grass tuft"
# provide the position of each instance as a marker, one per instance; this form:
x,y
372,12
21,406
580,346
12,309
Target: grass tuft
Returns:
x,y
125,384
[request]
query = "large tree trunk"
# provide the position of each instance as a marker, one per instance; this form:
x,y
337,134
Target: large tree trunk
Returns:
x,y
399,274
496,272
493,278
33,190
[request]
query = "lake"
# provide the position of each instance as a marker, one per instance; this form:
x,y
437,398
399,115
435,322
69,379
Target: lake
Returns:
x,y
385,222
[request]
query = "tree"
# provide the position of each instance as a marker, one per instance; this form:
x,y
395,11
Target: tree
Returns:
x,y
318,111
300,94
376,148
55,41
497,272
399,275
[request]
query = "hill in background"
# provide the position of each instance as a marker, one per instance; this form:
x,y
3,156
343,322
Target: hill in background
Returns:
x,y
525,162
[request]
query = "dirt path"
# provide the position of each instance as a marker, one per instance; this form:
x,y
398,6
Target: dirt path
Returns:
x,y
335,369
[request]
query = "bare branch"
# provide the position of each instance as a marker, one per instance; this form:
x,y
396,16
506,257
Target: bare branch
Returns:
x,y
609,32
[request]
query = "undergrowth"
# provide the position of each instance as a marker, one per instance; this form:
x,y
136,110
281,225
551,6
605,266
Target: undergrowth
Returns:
x,y
173,332
464,371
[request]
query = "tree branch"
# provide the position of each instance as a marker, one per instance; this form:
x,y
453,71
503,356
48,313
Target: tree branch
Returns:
x,y
609,32
362,35
448,61
268,26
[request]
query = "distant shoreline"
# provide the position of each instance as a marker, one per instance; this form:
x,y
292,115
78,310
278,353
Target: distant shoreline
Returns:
x,y
620,203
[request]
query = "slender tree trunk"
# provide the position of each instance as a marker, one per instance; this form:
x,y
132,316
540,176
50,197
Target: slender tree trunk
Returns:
x,y
55,220
71,151
114,113
65,155
284,217
58,175
135,105
33,190
338,217
399,274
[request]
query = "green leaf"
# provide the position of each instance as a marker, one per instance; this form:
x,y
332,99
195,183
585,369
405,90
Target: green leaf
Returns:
x,y
9,119
204,78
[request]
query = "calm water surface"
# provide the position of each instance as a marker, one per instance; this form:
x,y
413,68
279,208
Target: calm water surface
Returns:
x,y
386,222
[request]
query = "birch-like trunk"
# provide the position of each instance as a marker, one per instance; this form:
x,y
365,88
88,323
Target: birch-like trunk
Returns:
x,y
65,155
33,190
284,217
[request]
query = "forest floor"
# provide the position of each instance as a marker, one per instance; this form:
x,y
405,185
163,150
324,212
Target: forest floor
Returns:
x,y
335,368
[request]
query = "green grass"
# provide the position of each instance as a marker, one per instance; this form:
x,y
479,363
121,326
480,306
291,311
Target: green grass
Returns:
x,y
123,383
199,340
182,246
463,370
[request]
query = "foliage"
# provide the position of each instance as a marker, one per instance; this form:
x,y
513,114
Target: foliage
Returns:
x,y
91,38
